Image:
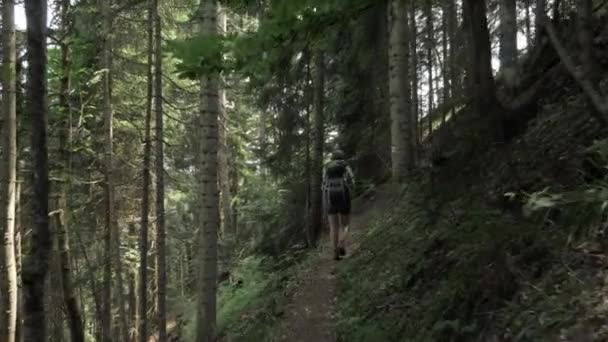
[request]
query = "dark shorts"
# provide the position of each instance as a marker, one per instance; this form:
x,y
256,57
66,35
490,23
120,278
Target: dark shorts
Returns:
x,y
338,203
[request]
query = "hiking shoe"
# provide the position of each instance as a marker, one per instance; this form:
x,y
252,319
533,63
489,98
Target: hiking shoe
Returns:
x,y
342,251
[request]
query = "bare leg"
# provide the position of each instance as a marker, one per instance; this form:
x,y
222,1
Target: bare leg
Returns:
x,y
334,233
344,228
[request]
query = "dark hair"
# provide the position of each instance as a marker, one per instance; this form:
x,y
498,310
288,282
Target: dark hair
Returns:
x,y
337,155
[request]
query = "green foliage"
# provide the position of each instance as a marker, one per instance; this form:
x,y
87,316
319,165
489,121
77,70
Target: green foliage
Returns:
x,y
429,270
251,303
200,55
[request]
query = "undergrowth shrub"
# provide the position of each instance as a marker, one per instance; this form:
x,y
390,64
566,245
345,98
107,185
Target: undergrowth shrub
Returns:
x,y
431,270
249,307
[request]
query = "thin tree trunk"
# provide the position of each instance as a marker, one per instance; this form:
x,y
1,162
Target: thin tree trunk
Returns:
x,y
120,294
36,265
206,172
317,145
540,13
508,43
75,321
468,53
444,55
54,300
106,324
429,61
455,50
69,293
145,203
310,238
399,90
224,153
413,40
161,281
585,24
8,178
132,288
19,259
528,24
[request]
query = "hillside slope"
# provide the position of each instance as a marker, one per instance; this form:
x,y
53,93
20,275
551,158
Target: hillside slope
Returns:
x,y
461,257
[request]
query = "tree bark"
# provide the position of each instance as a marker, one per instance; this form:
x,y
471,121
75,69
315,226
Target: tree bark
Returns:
x,y
106,324
445,72
19,259
528,24
317,144
72,305
8,178
540,13
508,43
415,112
224,154
455,50
429,62
206,175
399,91
142,316
484,89
310,236
36,266
133,290
161,281
69,292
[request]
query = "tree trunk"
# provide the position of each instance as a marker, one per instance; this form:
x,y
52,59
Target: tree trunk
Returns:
x,y
317,144
132,288
415,112
36,266
19,259
528,24
508,43
161,281
106,324
120,295
540,13
69,292
142,316
75,321
445,72
310,236
206,175
224,153
54,297
455,50
484,89
8,178
399,91
585,24
429,61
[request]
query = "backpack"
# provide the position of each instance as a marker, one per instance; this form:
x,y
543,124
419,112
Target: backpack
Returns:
x,y
336,178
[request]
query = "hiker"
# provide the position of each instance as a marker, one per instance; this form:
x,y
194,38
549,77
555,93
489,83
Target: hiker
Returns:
x,y
338,181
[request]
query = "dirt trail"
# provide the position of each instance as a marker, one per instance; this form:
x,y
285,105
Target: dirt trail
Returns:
x,y
310,317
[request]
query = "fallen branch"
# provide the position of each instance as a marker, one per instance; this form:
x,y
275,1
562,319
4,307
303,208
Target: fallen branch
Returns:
x,y
598,101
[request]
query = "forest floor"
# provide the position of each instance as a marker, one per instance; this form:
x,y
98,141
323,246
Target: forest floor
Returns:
x,y
311,314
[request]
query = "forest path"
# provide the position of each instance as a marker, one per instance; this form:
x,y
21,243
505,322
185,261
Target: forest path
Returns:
x,y
310,317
